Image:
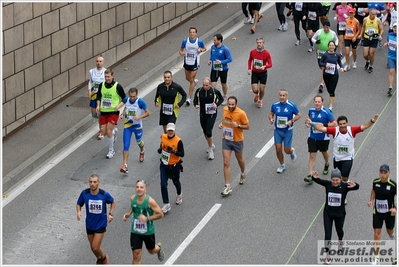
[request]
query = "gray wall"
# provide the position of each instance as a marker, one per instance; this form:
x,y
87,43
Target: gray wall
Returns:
x,y
48,48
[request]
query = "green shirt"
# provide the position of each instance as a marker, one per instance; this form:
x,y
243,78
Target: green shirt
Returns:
x,y
109,98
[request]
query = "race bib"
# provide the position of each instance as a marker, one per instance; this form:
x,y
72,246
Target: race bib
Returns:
x,y
341,26
131,113
370,31
281,122
334,199
167,109
258,64
312,15
392,45
106,102
217,66
209,109
140,227
228,133
349,31
95,206
165,157
298,6
381,206
343,149
330,68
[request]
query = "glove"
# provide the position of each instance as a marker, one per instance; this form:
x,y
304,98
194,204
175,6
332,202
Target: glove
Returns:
x,y
318,42
159,150
346,16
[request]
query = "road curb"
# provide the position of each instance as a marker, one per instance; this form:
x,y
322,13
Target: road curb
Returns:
x,y
59,143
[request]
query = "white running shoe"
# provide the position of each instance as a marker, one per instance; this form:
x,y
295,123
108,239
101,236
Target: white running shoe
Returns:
x,y
195,82
179,199
310,49
347,68
247,20
298,42
285,26
281,168
110,154
252,20
166,208
224,101
280,28
226,190
188,101
354,65
211,155
293,155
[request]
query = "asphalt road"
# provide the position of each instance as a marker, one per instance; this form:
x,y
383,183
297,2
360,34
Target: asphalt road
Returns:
x,y
271,219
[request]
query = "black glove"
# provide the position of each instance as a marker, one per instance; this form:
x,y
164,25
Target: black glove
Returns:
x,y
171,150
318,42
159,150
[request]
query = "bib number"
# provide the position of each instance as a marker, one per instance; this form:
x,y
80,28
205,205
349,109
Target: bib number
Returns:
x,y
217,66
167,109
95,206
330,68
106,103
140,227
334,199
381,206
228,133
341,26
209,109
258,64
282,122
165,157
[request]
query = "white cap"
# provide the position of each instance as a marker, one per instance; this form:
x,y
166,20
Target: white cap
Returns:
x,y
394,24
171,126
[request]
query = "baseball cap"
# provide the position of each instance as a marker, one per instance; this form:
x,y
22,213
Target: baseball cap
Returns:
x,y
384,167
335,173
394,24
326,23
352,10
171,126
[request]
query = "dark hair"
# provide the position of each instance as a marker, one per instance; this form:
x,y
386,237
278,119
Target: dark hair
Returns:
x,y
168,71
342,118
322,99
331,42
109,70
133,90
233,97
193,28
219,37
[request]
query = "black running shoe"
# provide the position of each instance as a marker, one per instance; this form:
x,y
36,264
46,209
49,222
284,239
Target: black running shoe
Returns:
x,y
370,69
367,65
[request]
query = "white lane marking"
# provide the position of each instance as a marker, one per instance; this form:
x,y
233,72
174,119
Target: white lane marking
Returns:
x,y
264,149
193,234
15,191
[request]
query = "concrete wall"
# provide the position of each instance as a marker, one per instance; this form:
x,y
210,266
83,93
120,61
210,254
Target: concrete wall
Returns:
x,y
48,48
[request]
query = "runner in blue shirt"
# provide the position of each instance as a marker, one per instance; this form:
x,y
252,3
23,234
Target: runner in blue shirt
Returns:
x,y
282,116
318,141
218,58
392,52
96,201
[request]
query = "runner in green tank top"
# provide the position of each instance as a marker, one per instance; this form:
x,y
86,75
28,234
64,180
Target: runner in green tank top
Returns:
x,y
144,210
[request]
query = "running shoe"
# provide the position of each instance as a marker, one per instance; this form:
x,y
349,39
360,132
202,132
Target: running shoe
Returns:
x,y
213,147
298,42
285,27
341,246
195,82
260,17
142,155
188,101
326,169
367,65
281,168
110,154
260,104
124,169
354,65
226,190
321,86
340,55
242,178
293,155
311,49
347,68
328,259
390,90
103,260
100,136
166,208
179,199
280,28
211,154
331,108
247,20
160,253
224,101
308,179
252,20
253,29
256,98
114,132
370,69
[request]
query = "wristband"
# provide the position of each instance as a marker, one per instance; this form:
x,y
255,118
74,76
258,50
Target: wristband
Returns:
x,y
325,124
111,214
313,124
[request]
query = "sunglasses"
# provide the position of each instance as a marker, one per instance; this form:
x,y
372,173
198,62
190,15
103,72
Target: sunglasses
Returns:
x,y
141,181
